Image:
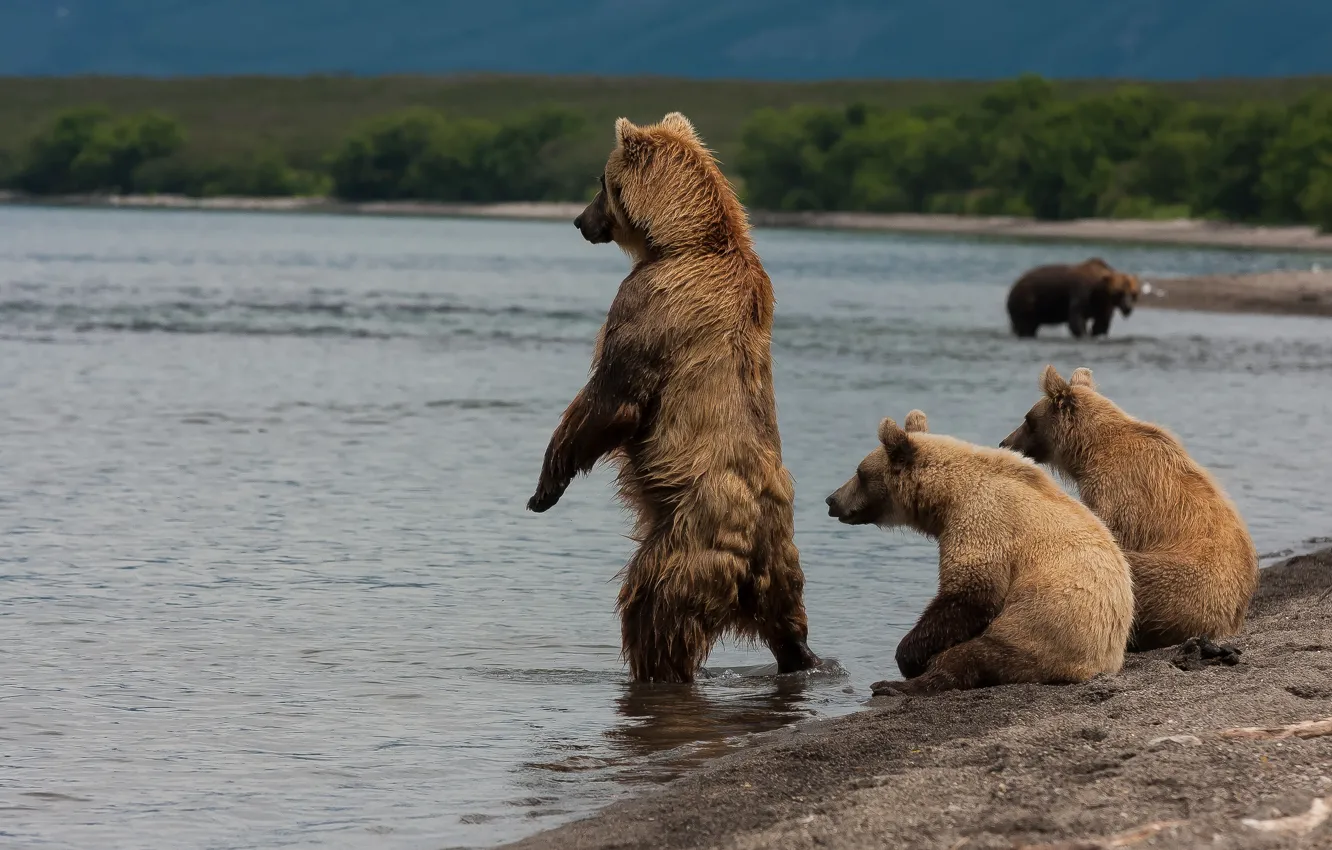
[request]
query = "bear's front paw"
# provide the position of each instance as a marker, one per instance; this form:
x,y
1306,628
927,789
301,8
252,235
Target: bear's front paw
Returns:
x,y
890,687
545,497
933,682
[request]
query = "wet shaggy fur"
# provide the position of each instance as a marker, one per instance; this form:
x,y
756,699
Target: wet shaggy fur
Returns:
x,y
680,396
1031,585
1194,564
1071,294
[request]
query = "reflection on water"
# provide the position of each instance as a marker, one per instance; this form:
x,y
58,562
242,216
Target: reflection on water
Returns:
x,y
668,728
267,578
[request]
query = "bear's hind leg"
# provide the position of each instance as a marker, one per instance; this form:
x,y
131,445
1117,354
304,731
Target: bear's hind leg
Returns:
x,y
674,605
662,645
787,635
776,610
1176,599
978,663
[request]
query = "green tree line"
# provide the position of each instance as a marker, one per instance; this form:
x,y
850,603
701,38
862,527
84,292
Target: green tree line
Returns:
x,y
1017,149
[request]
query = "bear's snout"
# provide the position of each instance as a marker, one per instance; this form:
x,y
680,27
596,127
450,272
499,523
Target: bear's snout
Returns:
x,y
594,224
847,505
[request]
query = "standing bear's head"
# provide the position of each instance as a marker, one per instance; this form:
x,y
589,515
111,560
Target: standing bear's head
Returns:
x,y
1124,291
662,192
1052,431
1122,288
883,491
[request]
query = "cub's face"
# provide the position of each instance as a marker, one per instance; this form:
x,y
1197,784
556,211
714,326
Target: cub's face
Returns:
x,y
873,494
865,499
1035,436
1045,430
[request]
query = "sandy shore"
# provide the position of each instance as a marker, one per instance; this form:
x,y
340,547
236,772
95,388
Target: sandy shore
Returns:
x,y
1149,758
1289,293
1171,232
1175,232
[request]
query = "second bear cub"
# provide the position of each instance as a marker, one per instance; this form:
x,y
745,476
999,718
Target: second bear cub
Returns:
x,y
1032,587
1194,565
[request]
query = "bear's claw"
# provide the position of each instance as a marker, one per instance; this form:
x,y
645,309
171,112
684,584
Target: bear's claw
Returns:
x,y
541,502
888,688
545,497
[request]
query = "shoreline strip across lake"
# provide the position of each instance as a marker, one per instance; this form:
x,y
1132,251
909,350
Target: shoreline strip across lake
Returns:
x,y
1166,232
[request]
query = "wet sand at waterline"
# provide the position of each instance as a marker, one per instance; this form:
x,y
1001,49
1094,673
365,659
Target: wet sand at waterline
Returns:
x,y
1281,293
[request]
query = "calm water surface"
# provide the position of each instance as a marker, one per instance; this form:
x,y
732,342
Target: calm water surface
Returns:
x,y
266,577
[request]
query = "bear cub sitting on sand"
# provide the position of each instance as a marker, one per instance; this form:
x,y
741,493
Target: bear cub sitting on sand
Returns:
x,y
1194,564
1064,294
1031,585
680,396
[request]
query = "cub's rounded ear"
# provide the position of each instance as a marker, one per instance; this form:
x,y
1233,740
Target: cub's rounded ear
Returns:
x,y
1082,377
680,124
889,434
895,442
916,422
1051,384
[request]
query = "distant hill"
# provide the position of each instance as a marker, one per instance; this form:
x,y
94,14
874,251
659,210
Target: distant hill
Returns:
x,y
761,39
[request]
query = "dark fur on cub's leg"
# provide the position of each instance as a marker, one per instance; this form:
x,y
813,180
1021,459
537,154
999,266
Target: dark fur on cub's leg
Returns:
x,y
947,621
978,663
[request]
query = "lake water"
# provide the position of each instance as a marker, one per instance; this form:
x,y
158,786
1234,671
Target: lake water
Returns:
x,y
267,580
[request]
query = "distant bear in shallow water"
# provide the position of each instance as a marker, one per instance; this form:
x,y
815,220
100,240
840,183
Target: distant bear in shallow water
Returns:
x,y
1194,564
1031,585
681,397
1071,295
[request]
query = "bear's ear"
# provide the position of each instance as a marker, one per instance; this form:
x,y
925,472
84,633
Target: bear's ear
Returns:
x,y
1051,384
1082,377
895,443
916,423
680,124
889,433
625,132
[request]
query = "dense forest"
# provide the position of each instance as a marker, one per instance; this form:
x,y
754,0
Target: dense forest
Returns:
x,y
1021,147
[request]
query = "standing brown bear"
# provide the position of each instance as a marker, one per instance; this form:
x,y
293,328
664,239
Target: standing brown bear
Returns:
x,y
1031,585
1194,564
681,396
1062,294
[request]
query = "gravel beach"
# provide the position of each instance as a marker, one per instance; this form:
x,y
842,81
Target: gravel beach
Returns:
x,y
1285,293
1176,751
